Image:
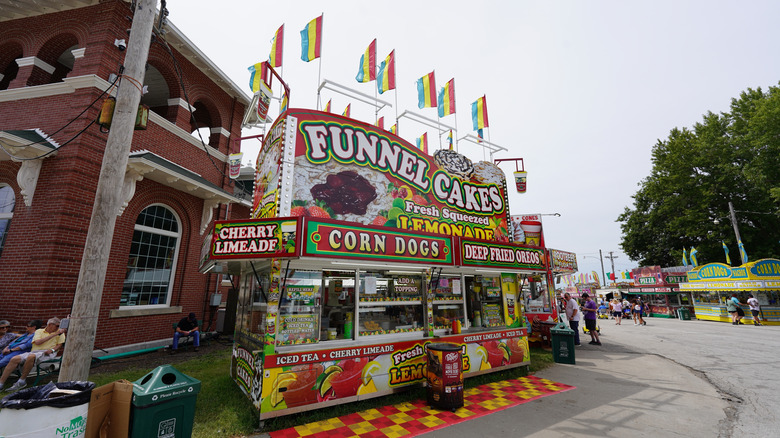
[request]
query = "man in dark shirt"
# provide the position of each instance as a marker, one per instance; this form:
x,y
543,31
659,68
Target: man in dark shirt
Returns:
x,y
590,311
186,327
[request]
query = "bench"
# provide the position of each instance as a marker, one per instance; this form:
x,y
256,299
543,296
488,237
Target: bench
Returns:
x,y
186,341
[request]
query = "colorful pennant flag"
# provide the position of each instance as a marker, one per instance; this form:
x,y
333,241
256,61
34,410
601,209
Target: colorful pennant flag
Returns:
x,y
311,40
426,91
449,138
685,258
694,257
447,99
481,135
258,72
283,106
394,129
479,116
386,76
742,253
347,110
422,143
367,71
726,250
595,277
381,122
327,106
277,44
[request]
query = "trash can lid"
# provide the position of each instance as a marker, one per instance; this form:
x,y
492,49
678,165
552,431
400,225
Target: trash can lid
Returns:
x,y
561,329
162,384
443,346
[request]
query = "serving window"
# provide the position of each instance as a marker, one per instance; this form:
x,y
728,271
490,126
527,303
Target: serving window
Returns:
x,y
390,302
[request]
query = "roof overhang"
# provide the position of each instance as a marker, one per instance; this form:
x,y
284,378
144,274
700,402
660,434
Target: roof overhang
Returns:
x,y
27,144
156,168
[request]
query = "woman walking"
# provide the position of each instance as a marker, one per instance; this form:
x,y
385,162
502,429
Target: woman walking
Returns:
x,y
617,308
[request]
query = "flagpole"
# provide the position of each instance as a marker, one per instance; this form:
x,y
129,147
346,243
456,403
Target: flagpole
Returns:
x,y
395,89
456,133
319,72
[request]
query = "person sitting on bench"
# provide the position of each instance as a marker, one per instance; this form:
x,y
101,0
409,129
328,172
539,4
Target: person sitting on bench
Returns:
x,y
20,345
46,342
186,327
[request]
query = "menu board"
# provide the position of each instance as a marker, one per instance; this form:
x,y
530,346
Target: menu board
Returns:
x,y
492,315
298,329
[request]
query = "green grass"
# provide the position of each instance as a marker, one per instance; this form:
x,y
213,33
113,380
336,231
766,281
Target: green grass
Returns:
x,y
223,410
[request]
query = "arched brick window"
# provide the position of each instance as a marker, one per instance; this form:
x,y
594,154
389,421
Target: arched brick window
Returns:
x,y
152,261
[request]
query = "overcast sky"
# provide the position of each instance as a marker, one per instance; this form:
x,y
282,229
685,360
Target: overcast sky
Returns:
x,y
581,90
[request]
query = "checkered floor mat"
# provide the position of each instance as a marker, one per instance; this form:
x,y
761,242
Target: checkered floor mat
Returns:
x,y
412,419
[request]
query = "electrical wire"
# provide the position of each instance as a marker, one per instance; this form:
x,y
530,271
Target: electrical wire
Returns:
x,y
107,90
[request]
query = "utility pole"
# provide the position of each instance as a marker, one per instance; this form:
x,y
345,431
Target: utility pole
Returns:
x,y
612,258
86,304
734,221
602,269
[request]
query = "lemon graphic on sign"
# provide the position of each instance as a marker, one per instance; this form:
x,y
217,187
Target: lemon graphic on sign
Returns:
x,y
369,370
284,380
482,354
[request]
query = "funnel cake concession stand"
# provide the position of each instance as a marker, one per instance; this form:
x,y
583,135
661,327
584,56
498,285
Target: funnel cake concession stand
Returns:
x,y
362,251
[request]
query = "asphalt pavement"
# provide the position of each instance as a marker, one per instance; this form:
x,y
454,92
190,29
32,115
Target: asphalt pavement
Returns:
x,y
669,378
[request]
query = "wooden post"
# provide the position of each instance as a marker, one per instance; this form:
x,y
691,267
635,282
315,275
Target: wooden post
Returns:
x,y
86,304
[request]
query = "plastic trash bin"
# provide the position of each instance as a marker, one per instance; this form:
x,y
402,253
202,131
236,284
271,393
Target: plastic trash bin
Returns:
x,y
445,376
562,343
51,410
163,404
684,313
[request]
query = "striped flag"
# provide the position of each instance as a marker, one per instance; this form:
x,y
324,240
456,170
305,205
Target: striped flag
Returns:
x,y
742,253
258,72
447,99
367,71
283,106
277,44
479,115
311,40
685,257
726,250
327,106
422,143
426,91
381,122
386,76
347,110
694,257
449,138
394,129
481,135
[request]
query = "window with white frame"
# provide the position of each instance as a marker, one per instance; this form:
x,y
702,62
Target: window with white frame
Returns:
x,y
152,261
7,203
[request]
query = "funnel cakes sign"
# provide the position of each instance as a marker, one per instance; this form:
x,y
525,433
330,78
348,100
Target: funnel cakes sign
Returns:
x,y
347,170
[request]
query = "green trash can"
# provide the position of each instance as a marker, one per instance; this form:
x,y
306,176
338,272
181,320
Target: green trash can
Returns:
x,y
163,404
562,343
685,313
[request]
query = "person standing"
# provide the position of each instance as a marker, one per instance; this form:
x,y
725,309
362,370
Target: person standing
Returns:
x,y
731,307
755,309
618,307
573,315
590,310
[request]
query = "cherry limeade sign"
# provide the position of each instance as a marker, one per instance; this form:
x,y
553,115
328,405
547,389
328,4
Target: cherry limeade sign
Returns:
x,y
347,170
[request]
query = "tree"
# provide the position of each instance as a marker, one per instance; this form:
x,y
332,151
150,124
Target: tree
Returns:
x,y
728,157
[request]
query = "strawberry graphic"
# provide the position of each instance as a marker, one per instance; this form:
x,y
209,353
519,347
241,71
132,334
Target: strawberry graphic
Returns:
x,y
298,208
320,210
380,219
419,200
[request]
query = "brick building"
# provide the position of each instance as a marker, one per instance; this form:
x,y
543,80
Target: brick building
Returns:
x,y
56,59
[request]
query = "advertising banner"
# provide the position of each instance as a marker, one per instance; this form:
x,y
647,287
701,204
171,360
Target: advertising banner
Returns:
x,y
351,171
527,229
491,254
265,199
302,378
339,240
253,239
563,262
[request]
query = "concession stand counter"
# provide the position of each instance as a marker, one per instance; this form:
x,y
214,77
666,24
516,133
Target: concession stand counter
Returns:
x,y
712,284
362,250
